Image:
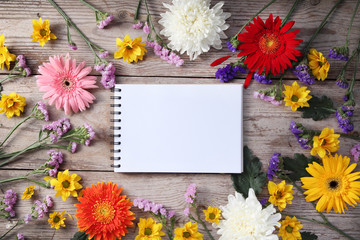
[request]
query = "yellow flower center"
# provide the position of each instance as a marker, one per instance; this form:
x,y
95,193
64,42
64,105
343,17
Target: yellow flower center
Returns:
x,y
56,219
129,47
278,195
289,229
148,231
323,142
212,216
66,184
334,184
294,98
321,63
43,32
269,43
104,212
186,234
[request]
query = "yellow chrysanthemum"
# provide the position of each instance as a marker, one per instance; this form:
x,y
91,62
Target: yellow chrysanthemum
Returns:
x,y
296,96
189,232
212,215
5,56
289,229
149,230
56,220
42,32
333,184
280,194
29,191
318,64
326,142
66,184
12,105
130,50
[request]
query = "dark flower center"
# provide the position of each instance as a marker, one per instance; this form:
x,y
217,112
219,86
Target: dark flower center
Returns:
x,y
186,234
269,43
129,47
56,219
289,229
43,32
278,195
320,63
66,184
333,184
148,231
212,216
294,98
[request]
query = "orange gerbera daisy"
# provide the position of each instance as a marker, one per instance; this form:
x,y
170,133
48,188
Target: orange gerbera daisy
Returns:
x,y
103,212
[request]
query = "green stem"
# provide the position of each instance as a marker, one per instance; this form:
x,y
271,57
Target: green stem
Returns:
x,y
157,37
203,224
12,179
351,22
14,128
90,6
168,231
18,223
8,77
290,12
351,87
31,147
350,136
136,16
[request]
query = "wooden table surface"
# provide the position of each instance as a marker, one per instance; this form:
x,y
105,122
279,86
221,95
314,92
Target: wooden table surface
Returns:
x,y
266,127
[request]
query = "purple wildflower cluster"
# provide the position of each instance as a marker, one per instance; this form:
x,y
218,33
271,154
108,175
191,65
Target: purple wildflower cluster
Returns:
x,y
22,66
190,193
72,147
339,53
72,46
273,166
20,236
107,74
343,116
262,78
105,20
40,208
156,209
145,27
103,54
302,72
54,161
341,81
40,111
304,139
264,201
165,54
137,25
231,47
355,151
229,72
90,134
57,129
8,202
268,97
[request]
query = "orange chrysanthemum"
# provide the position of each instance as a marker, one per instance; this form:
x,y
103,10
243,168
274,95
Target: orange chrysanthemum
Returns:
x,y
103,212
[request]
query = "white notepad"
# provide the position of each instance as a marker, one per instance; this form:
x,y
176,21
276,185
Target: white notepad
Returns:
x,y
182,128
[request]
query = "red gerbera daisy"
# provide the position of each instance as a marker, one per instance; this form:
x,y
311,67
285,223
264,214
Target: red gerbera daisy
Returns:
x,y
103,212
268,47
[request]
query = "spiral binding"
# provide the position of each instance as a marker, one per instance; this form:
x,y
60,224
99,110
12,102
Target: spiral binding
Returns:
x,y
114,128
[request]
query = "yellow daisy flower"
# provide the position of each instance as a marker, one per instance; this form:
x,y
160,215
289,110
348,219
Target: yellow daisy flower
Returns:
x,y
130,50
289,229
212,215
5,56
66,184
318,64
326,142
280,194
29,191
333,184
12,105
296,96
189,232
149,230
42,32
56,220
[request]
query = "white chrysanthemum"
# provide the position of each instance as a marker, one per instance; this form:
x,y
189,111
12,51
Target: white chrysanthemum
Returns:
x,y
245,219
193,26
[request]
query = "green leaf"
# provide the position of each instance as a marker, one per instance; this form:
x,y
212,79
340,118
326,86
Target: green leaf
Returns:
x,y
308,236
320,108
252,177
295,167
80,236
40,134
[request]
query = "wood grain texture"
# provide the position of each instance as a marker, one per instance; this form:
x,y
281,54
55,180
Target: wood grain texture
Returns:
x,y
266,127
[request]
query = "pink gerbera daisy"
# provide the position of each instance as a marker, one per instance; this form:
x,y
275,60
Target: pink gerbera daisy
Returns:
x,y
65,83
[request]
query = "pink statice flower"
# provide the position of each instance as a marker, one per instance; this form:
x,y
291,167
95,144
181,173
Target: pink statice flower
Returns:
x,y
72,46
137,25
103,23
103,54
171,214
20,236
90,133
187,212
72,147
57,129
49,202
146,28
40,111
9,202
190,193
107,75
64,83
165,54
267,98
355,151
27,218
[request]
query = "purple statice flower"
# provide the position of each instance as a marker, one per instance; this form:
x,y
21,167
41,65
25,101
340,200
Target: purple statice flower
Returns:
x,y
174,59
106,21
267,98
303,139
339,53
163,212
21,61
40,111
21,66
148,206
57,129
137,25
27,218
49,202
156,207
341,81
165,54
9,201
231,47
108,75
262,78
190,193
53,172
171,214
264,201
273,166
302,72
72,46
91,134
187,212
355,151
344,121
146,28
20,236
72,147
295,130
99,67
228,72
41,208
27,71
103,54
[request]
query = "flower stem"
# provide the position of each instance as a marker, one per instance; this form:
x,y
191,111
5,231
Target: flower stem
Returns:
x,y
8,77
351,87
14,128
203,224
351,22
157,37
290,12
136,16
31,147
90,6
18,223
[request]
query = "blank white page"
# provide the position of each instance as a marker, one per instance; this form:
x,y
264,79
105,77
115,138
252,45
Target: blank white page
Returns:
x,y
183,128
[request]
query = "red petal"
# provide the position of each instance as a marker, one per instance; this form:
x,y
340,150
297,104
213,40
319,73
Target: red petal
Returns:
x,y
248,79
219,61
287,27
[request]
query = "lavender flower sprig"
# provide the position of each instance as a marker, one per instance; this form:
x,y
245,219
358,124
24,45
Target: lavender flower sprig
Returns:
x,y
102,18
269,95
7,204
20,67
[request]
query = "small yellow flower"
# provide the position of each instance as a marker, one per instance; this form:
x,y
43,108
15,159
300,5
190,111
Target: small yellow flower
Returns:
x,y
12,105
149,230
130,50
66,184
296,96
189,232
326,142
289,229
29,191
318,64
212,215
42,32
280,194
5,56
56,220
